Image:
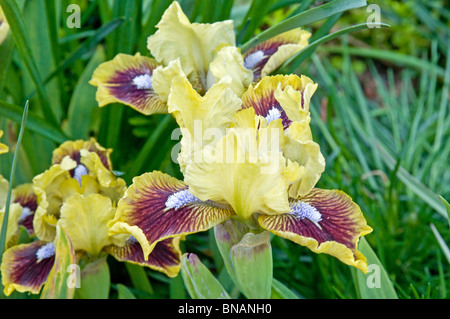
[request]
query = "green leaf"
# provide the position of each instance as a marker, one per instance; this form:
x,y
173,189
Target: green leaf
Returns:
x,y
376,283
21,40
58,285
304,18
306,52
280,291
83,105
139,278
95,281
85,47
124,292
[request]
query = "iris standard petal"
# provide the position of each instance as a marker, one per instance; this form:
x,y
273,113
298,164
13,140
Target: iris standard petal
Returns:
x,y
85,219
23,270
73,149
267,56
157,207
165,256
202,119
194,44
127,79
325,221
229,62
244,169
301,149
295,93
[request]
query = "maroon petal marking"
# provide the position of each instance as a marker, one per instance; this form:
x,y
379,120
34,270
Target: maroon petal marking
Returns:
x,y
21,269
262,96
165,257
25,196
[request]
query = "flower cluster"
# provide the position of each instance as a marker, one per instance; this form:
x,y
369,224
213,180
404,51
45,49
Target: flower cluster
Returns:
x,y
247,157
247,151
80,193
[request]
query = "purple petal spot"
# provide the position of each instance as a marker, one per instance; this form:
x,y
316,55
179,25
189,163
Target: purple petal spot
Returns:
x,y
25,213
180,199
80,171
273,114
143,82
253,59
304,210
46,251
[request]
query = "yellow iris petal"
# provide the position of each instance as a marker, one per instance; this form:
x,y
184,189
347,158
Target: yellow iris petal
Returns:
x,y
202,119
85,221
195,44
296,96
15,212
244,169
229,62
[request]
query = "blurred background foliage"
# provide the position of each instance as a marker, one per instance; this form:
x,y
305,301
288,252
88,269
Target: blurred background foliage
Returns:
x,y
381,115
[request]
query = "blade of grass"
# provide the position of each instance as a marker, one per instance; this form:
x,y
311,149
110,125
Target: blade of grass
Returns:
x,y
441,242
391,56
412,183
11,182
447,207
304,18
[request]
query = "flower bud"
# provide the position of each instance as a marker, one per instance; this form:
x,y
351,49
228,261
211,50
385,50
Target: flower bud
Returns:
x,y
199,281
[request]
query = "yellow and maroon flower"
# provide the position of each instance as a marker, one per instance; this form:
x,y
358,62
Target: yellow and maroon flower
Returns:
x,y
25,267
82,167
265,188
269,55
128,80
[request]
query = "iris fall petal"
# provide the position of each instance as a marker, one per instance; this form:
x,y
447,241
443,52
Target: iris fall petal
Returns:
x,y
325,221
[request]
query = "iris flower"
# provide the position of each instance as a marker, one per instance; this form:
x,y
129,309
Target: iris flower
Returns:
x,y
4,27
80,193
260,168
203,54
